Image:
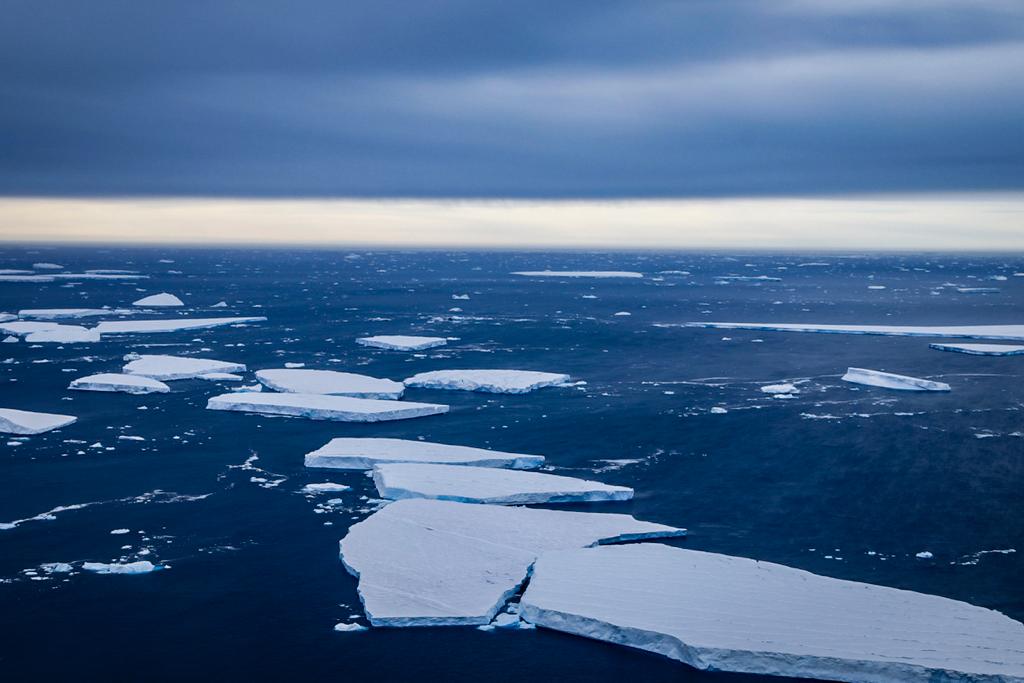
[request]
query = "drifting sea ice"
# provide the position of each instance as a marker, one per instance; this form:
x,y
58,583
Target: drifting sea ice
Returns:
x,y
140,567
724,613
439,563
488,485
785,388
162,299
981,349
64,313
579,273
129,384
325,487
492,381
27,422
177,367
323,407
152,326
1006,332
397,342
347,453
330,382
64,334
888,380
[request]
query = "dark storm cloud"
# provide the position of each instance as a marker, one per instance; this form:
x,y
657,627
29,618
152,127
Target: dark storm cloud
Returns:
x,y
588,99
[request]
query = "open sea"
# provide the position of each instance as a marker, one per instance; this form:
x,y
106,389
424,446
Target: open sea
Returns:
x,y
842,480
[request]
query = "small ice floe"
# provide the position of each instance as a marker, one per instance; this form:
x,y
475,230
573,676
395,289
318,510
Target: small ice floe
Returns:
x,y
246,388
294,366
56,568
27,422
223,377
613,464
129,384
1006,332
11,339
724,613
492,381
981,349
220,304
460,297
62,313
168,368
718,410
8,277
323,407
21,328
888,380
139,567
786,388
748,278
179,324
63,334
325,487
47,266
396,342
924,555
621,313
330,382
439,563
348,627
119,532
488,485
348,453
580,273
162,299
978,290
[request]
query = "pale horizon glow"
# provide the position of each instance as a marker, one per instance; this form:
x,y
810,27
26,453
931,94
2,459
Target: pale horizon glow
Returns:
x,y
963,222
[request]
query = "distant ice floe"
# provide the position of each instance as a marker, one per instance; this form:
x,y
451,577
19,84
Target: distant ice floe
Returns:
x,y
162,299
47,266
981,349
139,567
27,422
579,273
492,381
21,328
64,334
395,342
488,485
174,325
330,382
748,278
439,563
177,367
66,313
785,388
129,384
347,453
343,627
888,380
1006,332
323,407
723,613
978,290
325,487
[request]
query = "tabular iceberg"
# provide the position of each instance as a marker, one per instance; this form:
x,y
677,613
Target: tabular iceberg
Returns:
x,y
888,380
129,384
62,313
488,485
162,299
21,328
981,349
346,453
323,407
492,381
724,613
397,342
439,563
579,273
330,382
1006,332
177,367
151,326
27,422
64,334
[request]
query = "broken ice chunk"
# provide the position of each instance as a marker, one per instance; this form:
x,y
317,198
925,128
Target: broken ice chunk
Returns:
x,y
888,380
397,342
323,407
162,299
493,381
330,382
26,422
348,453
129,384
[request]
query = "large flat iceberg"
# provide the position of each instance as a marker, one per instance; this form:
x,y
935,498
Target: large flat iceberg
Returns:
x,y
27,422
579,273
724,613
177,367
981,349
398,342
172,325
888,380
347,453
493,381
322,407
302,381
439,563
1007,332
129,384
488,485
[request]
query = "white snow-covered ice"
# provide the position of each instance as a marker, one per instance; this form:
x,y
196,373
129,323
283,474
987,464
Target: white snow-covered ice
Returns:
x,y
14,421
348,453
161,299
323,407
63,313
493,381
129,384
140,567
303,381
888,380
579,273
397,342
21,328
981,349
171,325
785,388
64,334
1006,332
488,485
177,367
440,563
724,613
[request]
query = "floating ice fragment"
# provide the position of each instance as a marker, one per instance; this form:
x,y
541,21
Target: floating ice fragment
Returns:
x,y
924,555
493,381
326,487
981,349
177,367
140,567
162,299
330,382
152,326
579,273
348,628
786,388
402,342
347,453
129,384
1006,332
63,313
63,334
717,410
26,422
888,380
322,407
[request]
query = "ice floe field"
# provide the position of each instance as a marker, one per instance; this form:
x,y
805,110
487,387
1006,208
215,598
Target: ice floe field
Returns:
x,y
176,529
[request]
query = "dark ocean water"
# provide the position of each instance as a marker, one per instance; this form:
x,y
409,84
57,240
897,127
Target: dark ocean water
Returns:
x,y
843,481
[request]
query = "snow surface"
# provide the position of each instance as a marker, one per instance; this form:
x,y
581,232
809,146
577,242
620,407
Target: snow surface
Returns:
x,y
129,384
177,367
27,422
140,567
21,328
440,563
1007,332
724,613
325,487
981,349
579,273
488,485
64,334
396,342
330,382
493,381
347,453
888,380
321,407
61,313
150,326
162,299
786,388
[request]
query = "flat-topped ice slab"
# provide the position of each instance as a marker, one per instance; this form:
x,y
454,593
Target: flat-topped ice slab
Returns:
x,y
323,407
110,381
724,613
170,325
398,342
27,422
63,334
347,453
488,485
1007,332
439,563
162,299
888,380
579,273
21,328
981,349
64,313
303,381
493,381
177,367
